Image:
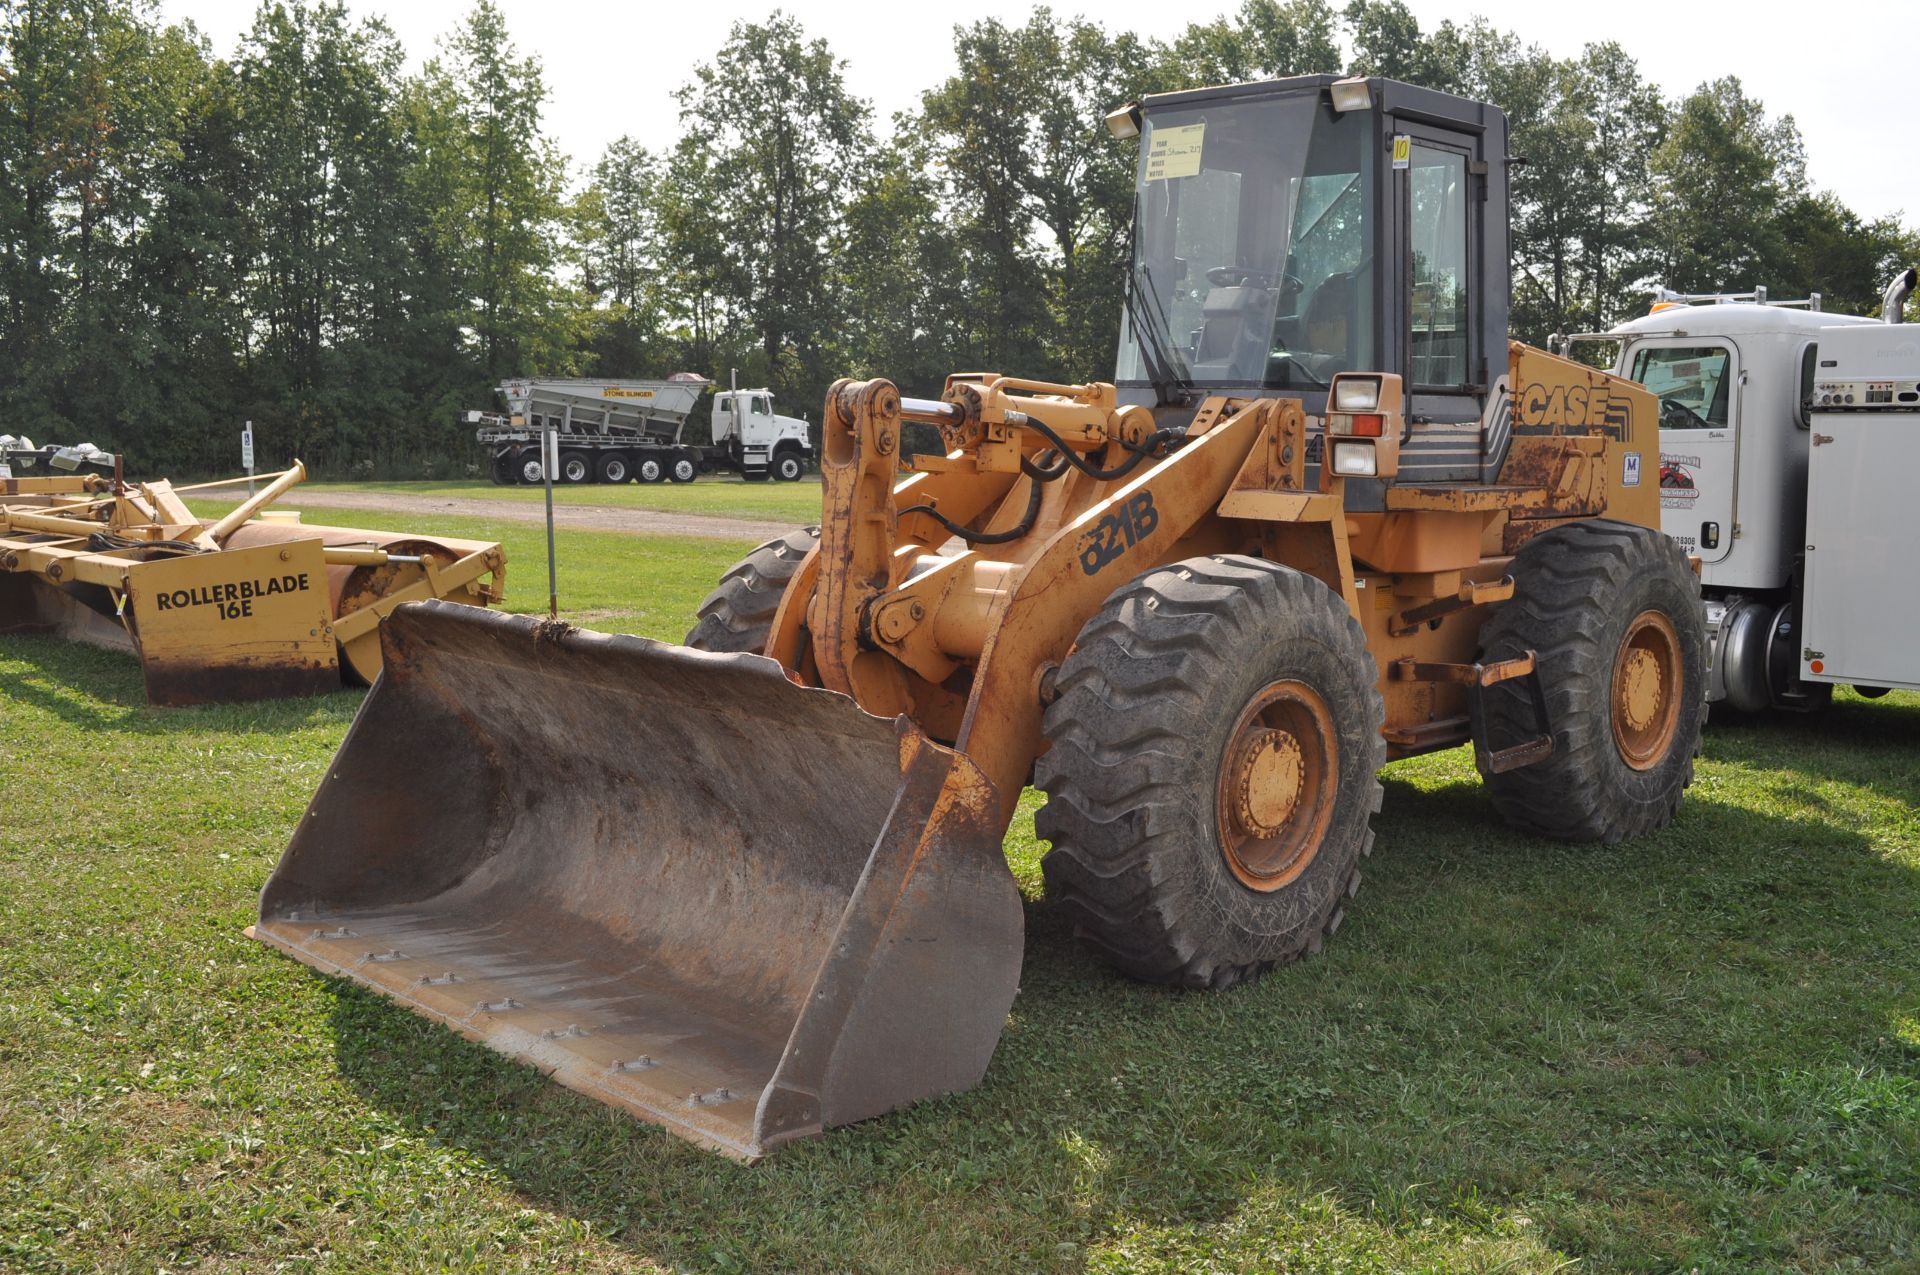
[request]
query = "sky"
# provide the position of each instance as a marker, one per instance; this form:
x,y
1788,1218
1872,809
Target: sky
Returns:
x,y
611,68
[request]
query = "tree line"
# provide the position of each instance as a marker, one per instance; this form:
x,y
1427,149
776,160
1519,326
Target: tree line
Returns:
x,y
305,235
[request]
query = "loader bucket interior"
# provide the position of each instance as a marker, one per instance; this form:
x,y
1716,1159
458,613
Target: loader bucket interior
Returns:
x,y
676,881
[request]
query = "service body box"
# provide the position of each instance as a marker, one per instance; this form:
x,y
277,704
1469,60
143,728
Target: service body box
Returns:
x,y
1861,612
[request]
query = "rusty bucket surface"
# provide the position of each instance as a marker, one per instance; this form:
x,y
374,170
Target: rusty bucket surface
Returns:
x,y
674,880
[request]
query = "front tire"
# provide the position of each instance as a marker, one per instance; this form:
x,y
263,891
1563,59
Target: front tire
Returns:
x,y
787,467
1613,612
1212,771
738,615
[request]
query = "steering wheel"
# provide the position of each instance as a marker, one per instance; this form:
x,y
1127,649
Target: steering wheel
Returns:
x,y
1677,415
1241,277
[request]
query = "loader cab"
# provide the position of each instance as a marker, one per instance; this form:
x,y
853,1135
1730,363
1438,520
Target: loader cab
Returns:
x,y
1290,230
1733,381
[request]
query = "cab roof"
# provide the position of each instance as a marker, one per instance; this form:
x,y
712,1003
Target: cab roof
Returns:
x,y
1734,318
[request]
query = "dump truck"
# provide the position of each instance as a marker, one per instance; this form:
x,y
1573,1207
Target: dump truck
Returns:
x,y
251,605
622,431
1785,436
1326,515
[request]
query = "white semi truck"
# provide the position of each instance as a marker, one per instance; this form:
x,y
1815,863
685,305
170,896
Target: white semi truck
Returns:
x,y
1788,443
619,431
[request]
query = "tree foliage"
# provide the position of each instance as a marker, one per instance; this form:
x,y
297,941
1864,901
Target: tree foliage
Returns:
x,y
304,235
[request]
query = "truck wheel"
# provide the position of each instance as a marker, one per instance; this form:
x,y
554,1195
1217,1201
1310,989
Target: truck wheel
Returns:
x,y
787,467
505,471
738,614
1613,612
614,468
529,469
1212,771
651,469
575,468
682,469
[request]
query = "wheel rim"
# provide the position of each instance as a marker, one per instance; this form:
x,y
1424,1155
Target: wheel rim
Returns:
x,y
616,472
530,471
1277,779
1646,690
650,470
575,470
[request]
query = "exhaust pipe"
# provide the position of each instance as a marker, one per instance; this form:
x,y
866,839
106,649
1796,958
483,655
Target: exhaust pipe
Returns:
x,y
1893,303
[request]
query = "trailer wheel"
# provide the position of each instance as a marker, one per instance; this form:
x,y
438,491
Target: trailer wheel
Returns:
x,y
1212,771
505,472
1613,613
614,468
738,614
787,467
682,469
528,463
651,469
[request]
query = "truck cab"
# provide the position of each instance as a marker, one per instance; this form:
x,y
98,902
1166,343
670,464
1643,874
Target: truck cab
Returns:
x,y
758,441
1735,380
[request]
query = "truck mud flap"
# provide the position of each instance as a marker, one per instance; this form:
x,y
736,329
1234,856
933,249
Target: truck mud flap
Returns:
x,y
676,881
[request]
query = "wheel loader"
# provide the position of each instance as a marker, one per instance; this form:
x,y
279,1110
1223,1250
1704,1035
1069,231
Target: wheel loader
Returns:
x,y
235,608
1325,516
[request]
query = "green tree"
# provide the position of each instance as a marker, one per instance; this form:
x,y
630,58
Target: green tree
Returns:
x,y
773,138
1721,176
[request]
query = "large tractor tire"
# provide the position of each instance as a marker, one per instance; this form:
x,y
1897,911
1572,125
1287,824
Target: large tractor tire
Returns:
x,y
1613,612
1212,771
738,615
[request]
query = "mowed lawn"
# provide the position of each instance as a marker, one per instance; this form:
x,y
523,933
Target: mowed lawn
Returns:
x,y
1699,1051
719,497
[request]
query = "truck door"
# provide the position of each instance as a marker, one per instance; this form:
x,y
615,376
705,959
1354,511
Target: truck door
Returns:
x,y
1698,383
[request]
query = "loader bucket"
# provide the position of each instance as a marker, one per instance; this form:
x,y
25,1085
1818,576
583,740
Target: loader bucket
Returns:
x,y
677,881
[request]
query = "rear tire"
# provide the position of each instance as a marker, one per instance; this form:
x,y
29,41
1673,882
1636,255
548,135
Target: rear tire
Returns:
x,y
529,469
651,469
575,468
1213,771
682,469
738,615
615,468
1613,612
505,472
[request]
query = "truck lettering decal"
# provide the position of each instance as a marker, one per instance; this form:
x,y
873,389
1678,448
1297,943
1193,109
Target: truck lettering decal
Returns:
x,y
1108,540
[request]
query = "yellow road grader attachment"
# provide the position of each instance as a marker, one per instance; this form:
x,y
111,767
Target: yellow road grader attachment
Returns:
x,y
751,887
228,609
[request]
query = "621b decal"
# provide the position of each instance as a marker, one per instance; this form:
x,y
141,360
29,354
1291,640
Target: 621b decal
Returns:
x,y
1119,531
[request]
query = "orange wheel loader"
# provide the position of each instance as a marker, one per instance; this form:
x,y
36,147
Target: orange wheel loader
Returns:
x,y
1325,516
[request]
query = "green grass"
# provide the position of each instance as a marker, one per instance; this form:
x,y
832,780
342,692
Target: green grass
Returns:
x,y
1699,1051
798,503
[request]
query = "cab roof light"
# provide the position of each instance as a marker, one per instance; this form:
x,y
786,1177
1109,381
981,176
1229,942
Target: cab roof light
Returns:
x,y
1124,122
1351,94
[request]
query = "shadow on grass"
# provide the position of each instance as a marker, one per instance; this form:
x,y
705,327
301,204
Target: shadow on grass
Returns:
x,y
1636,1047
95,689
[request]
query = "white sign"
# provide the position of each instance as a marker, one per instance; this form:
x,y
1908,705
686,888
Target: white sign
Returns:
x,y
550,454
1631,478
246,447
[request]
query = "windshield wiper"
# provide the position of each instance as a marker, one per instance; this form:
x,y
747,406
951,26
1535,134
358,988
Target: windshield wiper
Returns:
x,y
1172,381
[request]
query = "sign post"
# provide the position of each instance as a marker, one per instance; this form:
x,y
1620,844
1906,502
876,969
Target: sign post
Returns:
x,y
246,455
550,461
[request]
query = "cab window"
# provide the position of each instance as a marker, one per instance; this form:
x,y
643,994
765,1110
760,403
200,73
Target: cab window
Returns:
x,y
1439,301
762,407
1691,383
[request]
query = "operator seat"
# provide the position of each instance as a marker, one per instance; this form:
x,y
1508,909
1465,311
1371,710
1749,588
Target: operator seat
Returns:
x,y
1327,329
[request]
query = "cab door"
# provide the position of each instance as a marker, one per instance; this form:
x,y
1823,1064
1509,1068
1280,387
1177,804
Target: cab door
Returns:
x,y
1698,381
